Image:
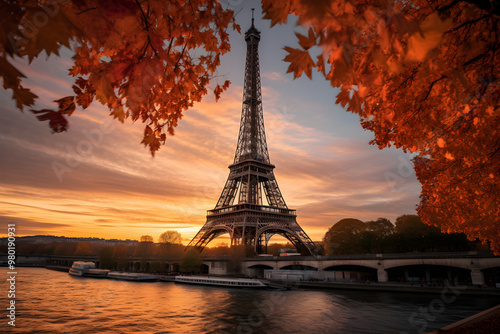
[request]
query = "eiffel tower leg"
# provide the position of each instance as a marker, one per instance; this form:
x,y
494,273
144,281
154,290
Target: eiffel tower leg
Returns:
x,y
244,240
232,236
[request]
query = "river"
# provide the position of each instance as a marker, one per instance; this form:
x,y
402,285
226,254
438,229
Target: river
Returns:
x,y
55,302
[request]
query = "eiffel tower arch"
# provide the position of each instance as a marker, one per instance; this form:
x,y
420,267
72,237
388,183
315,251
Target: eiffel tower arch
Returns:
x,y
251,208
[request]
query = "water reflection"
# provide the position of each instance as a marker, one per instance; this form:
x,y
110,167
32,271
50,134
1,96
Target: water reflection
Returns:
x,y
49,302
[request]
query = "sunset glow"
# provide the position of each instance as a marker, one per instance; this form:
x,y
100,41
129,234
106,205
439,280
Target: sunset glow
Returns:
x,y
97,180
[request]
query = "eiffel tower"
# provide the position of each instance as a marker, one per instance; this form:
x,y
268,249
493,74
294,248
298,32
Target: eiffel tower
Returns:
x,y
251,208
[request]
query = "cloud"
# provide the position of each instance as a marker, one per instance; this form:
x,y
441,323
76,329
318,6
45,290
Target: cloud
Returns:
x,y
98,180
274,76
25,226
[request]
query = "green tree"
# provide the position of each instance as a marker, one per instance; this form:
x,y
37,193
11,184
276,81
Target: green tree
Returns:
x,y
411,225
344,237
376,236
191,262
415,236
146,238
381,227
170,237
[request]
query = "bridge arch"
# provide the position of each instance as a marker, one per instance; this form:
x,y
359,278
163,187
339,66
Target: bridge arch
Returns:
x,y
429,274
349,272
359,263
257,270
457,263
261,266
298,267
348,267
488,263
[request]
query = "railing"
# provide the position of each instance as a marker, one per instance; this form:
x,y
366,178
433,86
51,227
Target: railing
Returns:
x,y
253,207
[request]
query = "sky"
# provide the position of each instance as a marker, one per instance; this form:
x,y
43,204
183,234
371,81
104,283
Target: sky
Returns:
x,y
97,180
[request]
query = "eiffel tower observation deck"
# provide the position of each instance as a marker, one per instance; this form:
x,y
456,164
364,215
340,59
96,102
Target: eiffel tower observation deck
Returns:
x,y
251,208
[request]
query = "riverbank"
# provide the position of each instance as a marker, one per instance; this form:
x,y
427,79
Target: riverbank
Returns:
x,y
485,322
395,287
374,286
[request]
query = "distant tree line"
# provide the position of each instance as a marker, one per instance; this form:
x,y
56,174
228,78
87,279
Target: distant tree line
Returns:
x,y
223,249
118,256
347,236
409,234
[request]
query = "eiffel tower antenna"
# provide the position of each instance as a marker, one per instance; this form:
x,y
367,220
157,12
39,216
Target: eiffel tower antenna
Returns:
x,y
251,208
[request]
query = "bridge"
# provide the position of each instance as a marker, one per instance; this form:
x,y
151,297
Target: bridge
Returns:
x,y
469,267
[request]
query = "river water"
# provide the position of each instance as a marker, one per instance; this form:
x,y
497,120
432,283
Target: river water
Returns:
x,y
55,302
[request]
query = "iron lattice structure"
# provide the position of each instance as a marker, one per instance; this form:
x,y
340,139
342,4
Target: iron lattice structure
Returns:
x,y
251,208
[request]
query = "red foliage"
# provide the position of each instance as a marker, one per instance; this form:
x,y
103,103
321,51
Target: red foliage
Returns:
x,y
145,60
423,76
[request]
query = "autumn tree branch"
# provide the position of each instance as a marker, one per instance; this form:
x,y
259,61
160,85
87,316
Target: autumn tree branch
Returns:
x,y
432,85
489,6
86,10
468,23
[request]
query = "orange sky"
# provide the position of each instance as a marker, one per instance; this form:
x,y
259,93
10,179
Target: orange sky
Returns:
x,y
98,180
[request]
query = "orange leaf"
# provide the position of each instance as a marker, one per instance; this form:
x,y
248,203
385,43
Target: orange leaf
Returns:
x,y
66,105
307,42
217,91
57,122
300,61
117,112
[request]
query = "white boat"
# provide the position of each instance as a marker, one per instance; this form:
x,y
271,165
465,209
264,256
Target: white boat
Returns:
x,y
138,277
166,278
220,281
88,269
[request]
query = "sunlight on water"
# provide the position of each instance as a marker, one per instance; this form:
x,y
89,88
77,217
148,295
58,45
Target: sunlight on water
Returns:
x,y
55,302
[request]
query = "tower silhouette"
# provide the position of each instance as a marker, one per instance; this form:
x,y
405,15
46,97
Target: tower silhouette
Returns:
x,y
251,208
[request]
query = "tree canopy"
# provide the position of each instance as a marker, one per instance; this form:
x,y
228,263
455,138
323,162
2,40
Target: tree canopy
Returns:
x,y
343,237
191,262
352,236
381,227
144,60
411,226
83,248
423,76
146,238
170,237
